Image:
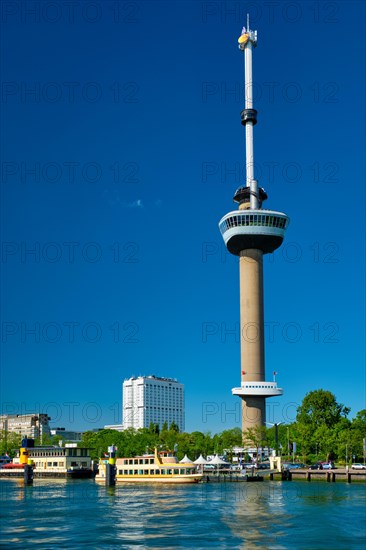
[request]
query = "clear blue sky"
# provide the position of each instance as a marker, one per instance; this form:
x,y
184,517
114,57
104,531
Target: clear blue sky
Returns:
x,y
133,134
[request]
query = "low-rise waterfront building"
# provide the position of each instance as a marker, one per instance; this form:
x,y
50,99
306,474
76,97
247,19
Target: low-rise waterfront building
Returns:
x,y
34,425
66,435
117,427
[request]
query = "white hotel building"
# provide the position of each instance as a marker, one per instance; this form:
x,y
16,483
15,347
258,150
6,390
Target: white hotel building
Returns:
x,y
150,399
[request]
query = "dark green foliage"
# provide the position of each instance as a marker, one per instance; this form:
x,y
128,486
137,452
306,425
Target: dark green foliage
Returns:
x,y
9,442
320,409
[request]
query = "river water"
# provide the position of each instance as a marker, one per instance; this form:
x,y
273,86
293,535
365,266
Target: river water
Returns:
x,y
269,515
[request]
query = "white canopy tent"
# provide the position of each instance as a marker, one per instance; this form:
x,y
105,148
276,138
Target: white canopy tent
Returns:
x,y
201,460
186,460
217,460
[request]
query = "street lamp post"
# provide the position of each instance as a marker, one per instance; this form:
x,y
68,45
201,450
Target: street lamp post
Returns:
x,y
276,434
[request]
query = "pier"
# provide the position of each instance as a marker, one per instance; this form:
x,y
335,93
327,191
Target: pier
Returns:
x,y
338,474
330,476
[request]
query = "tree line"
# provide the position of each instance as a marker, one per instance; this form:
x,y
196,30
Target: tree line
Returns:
x,y
321,431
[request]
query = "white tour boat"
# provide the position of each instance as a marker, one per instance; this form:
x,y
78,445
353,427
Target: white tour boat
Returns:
x,y
160,467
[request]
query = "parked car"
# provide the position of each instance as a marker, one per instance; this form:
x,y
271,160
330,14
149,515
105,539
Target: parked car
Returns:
x,y
317,466
293,465
328,465
358,466
235,467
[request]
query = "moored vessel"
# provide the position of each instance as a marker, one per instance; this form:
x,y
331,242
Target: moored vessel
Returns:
x,y
50,461
159,467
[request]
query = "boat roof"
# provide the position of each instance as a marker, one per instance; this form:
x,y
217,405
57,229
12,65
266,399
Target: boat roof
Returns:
x,y
51,448
168,454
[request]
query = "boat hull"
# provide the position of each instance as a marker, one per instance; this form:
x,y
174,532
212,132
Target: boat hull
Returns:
x,y
177,479
159,479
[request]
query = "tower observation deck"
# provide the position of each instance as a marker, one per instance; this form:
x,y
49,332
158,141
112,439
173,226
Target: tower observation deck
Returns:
x,y
249,232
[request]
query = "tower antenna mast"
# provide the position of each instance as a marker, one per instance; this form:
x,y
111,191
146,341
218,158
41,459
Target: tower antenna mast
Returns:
x,y
247,41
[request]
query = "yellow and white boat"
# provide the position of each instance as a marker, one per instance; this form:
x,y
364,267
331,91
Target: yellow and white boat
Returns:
x,y
160,467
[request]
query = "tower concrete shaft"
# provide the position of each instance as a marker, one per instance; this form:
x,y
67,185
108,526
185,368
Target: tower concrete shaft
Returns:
x,y
251,331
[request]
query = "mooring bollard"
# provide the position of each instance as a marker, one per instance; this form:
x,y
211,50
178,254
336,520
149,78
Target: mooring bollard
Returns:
x,y
110,474
28,473
111,470
286,475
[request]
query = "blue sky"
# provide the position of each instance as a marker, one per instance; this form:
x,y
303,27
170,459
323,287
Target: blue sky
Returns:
x,y
121,150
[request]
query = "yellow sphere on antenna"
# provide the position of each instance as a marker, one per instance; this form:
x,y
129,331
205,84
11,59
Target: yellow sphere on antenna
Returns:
x,y
243,38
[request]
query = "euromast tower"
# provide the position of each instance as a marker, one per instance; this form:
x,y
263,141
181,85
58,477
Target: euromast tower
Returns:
x,y
250,232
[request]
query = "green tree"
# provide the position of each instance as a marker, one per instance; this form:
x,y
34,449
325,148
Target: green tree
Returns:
x,y
174,427
231,438
256,437
184,445
358,434
320,408
201,444
322,426
359,422
169,438
9,442
154,428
